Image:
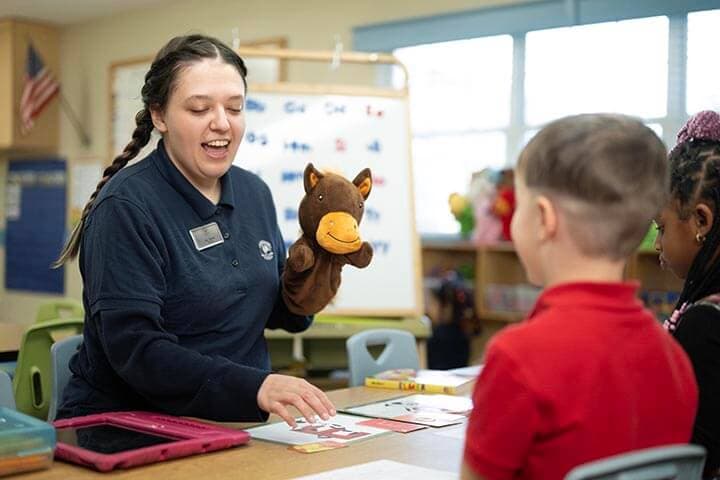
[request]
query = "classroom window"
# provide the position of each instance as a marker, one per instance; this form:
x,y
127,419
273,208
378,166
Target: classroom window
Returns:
x,y
459,86
467,88
459,111
703,68
607,67
444,164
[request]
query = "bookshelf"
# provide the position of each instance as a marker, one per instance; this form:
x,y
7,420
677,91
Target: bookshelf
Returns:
x,y
496,274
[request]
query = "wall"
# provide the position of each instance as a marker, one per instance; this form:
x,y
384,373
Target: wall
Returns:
x,y
88,49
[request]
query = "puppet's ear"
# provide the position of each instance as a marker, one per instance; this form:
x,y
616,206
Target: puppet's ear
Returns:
x,y
363,182
311,178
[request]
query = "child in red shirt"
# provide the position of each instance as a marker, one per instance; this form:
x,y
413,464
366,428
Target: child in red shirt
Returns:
x,y
590,373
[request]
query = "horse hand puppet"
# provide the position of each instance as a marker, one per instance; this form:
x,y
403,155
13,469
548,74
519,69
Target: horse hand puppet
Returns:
x,y
329,215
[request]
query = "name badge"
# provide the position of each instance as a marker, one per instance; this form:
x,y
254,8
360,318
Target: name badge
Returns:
x,y
206,236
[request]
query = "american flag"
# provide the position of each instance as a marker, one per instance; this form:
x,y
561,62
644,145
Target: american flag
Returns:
x,y
40,87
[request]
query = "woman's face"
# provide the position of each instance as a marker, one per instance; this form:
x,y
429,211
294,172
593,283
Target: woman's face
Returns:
x,y
676,240
203,122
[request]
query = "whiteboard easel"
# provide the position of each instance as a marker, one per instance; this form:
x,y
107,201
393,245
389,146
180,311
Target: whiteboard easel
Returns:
x,y
344,129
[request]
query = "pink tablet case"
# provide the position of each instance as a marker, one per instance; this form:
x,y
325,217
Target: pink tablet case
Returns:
x,y
192,437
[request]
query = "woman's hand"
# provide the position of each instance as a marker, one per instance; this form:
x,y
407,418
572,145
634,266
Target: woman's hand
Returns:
x,y
279,391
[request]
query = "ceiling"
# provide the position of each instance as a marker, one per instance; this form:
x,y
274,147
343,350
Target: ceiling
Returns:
x,y
66,12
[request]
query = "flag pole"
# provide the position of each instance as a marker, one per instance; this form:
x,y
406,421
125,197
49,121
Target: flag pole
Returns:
x,y
70,113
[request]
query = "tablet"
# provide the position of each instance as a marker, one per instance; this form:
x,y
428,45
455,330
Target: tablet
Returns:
x,y
127,439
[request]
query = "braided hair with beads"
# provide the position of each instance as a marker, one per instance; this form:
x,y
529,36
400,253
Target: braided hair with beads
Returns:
x,y
694,177
160,81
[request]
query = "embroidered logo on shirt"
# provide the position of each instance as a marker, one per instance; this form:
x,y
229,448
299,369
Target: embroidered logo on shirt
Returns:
x,y
266,250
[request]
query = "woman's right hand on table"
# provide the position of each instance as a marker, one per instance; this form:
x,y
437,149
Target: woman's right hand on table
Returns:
x,y
278,392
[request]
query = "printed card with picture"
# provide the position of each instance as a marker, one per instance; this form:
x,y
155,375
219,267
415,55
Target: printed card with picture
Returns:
x,y
340,428
431,410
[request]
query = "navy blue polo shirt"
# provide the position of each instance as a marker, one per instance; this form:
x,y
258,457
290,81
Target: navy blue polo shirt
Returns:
x,y
173,326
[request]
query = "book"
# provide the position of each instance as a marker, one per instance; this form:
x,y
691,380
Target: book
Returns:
x,y
429,381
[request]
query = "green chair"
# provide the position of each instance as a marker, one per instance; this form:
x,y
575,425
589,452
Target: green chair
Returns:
x,y
32,383
66,307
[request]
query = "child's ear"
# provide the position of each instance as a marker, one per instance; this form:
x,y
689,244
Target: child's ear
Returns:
x,y
547,218
704,218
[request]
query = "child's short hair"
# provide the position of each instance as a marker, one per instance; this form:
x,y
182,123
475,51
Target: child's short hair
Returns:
x,y
608,173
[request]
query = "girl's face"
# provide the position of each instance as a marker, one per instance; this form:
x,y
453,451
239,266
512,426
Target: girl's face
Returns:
x,y
676,240
203,121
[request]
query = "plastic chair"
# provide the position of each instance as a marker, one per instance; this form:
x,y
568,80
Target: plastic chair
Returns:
x,y
7,399
659,463
60,354
54,310
32,383
399,352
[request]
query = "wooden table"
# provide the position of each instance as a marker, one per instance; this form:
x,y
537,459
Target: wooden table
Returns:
x,y
264,460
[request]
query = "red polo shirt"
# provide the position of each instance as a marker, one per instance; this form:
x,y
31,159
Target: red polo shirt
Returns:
x,y
589,374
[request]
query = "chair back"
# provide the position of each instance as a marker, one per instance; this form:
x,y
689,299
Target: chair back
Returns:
x,y
32,383
58,309
682,462
60,354
400,352
7,399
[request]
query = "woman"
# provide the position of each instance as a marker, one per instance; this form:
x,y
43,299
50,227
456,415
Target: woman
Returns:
x,y
181,257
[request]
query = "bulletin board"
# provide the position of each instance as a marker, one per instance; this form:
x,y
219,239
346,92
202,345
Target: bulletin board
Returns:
x,y
341,128
35,214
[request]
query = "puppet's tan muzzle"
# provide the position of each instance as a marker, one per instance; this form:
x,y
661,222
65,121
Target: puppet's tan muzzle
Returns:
x,y
338,233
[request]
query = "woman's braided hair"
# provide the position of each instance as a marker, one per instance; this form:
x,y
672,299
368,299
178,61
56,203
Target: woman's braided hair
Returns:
x,y
695,177
160,80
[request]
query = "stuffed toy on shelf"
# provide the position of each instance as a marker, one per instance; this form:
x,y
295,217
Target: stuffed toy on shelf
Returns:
x,y
462,210
482,192
329,215
504,205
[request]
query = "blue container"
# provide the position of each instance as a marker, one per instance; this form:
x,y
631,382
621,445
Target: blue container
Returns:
x,y
26,443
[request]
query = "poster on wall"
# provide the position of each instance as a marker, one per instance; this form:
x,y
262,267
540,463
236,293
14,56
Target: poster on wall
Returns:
x,y
35,231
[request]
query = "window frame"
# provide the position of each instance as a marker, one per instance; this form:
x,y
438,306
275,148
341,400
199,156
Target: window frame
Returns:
x,y
517,20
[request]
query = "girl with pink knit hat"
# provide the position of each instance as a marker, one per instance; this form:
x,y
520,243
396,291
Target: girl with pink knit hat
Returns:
x,y
689,245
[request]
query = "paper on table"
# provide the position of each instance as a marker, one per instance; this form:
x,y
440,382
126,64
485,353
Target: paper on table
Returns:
x,y
383,470
472,371
455,431
431,410
340,428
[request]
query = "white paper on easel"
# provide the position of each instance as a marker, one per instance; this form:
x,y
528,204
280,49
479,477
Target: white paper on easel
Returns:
x,y
383,470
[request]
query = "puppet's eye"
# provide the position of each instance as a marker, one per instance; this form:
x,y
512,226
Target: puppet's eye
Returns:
x,y
320,197
361,204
